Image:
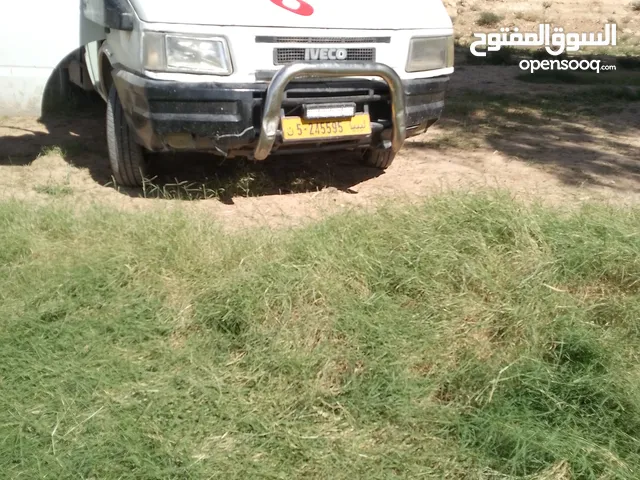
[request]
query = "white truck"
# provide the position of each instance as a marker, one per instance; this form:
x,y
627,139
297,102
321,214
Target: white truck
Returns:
x,y
236,77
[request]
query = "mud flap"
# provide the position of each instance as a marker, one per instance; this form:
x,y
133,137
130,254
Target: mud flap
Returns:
x,y
115,14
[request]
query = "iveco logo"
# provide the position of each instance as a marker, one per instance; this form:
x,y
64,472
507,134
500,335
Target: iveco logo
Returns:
x,y
325,54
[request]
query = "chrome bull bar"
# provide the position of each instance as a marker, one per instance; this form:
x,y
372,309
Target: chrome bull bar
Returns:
x,y
276,91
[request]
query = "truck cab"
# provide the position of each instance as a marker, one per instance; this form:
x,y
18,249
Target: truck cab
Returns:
x,y
255,78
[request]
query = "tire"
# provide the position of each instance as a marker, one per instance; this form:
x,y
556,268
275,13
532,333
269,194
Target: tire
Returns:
x,y
128,164
378,158
57,94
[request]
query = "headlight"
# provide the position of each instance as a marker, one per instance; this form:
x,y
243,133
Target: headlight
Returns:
x,y
174,53
430,53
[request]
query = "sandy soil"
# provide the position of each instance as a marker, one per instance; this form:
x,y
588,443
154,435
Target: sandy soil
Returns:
x,y
561,162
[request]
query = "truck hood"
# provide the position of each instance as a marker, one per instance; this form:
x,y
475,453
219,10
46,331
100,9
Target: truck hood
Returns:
x,y
347,14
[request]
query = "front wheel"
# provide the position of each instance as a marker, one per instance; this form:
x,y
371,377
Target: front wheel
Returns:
x,y
378,158
126,157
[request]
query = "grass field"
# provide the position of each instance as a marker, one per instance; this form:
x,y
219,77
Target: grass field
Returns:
x,y
468,337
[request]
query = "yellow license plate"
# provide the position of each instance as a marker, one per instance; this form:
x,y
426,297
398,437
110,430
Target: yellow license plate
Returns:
x,y
296,128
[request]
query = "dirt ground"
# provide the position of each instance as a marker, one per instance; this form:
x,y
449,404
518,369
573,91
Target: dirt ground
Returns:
x,y
564,160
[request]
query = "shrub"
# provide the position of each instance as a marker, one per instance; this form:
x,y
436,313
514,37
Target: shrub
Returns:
x,y
488,19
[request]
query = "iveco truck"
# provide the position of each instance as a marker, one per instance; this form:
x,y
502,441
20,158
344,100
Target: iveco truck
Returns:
x,y
249,78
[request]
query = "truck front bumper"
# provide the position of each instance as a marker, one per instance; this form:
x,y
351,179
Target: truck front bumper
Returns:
x,y
244,119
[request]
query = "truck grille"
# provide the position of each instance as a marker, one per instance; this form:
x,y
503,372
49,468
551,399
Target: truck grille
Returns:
x,y
285,56
334,40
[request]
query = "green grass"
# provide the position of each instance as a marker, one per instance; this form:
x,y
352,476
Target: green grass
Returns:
x,y
469,337
54,189
53,150
243,178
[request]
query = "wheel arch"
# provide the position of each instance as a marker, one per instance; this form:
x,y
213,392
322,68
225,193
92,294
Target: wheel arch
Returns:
x,y
105,68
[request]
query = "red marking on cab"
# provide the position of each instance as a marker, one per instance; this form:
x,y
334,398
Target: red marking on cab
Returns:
x,y
303,9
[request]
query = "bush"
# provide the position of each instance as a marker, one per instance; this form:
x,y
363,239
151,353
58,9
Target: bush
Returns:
x,y
488,19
